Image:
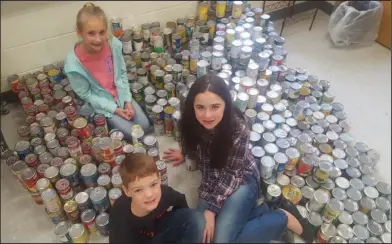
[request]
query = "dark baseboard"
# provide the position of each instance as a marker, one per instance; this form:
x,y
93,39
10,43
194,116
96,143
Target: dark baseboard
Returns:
x,y
324,6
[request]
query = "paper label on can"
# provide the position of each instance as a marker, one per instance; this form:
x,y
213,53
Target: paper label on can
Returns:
x,y
138,46
127,47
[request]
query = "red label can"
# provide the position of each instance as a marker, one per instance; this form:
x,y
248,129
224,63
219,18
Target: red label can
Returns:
x,y
32,160
30,178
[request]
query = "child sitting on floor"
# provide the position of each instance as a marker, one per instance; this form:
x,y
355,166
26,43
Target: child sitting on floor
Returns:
x,y
149,212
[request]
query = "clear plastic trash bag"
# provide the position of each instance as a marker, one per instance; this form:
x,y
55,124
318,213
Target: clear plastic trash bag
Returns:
x,y
355,22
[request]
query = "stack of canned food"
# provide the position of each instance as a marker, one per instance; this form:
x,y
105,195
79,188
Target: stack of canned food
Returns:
x,y
68,160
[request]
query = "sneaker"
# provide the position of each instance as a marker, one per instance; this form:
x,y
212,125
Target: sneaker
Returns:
x,y
307,233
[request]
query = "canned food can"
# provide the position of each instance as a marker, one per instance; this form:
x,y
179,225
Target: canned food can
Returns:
x,y
326,232
266,167
292,193
89,174
64,189
56,216
161,165
114,194
62,232
318,201
51,200
71,210
30,178
102,224
273,194
332,210
99,199
78,233
116,180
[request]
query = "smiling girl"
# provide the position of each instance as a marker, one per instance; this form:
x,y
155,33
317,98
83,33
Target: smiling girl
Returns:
x,y
214,133
97,73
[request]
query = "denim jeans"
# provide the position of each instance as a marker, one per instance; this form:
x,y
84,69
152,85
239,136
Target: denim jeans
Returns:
x,y
140,118
183,225
239,221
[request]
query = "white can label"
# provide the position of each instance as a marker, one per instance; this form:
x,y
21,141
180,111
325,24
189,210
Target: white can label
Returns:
x,y
127,47
138,46
216,63
235,52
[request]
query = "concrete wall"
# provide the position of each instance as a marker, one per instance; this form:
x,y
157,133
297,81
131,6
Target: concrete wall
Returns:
x,y
42,32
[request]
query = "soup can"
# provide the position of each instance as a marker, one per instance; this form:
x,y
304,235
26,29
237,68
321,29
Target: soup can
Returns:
x,y
30,178
51,200
22,149
89,174
99,199
52,174
168,115
292,194
318,201
88,219
332,210
64,189
78,233
102,224
83,201
104,181
114,194
72,211
266,167
273,194
62,232
57,216
69,171
326,232
161,165
116,180
315,221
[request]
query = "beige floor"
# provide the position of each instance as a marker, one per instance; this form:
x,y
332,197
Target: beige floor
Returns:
x,y
361,80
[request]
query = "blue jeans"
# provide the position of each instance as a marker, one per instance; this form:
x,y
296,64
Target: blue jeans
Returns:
x,y
140,118
183,225
239,221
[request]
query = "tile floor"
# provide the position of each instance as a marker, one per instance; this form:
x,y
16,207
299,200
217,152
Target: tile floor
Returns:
x,y
360,78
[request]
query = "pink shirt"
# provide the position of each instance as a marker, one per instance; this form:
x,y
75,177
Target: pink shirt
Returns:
x,y
100,66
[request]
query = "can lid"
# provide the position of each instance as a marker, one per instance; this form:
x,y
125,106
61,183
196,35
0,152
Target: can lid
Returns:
x,y
280,158
374,228
339,194
257,151
267,161
103,180
371,192
341,164
369,180
88,169
274,190
62,228
81,197
350,205
299,182
283,143
360,218
315,218
378,215
383,188
346,218
271,148
116,179
98,193
329,185
342,182
345,231
328,229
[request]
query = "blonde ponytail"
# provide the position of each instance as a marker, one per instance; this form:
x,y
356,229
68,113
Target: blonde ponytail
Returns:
x,y
92,10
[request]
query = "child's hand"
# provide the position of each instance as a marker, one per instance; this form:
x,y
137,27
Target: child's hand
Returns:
x,y
208,236
123,113
174,155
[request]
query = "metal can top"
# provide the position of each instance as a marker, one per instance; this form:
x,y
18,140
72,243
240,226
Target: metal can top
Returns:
x,y
307,191
383,188
353,172
321,196
88,169
361,232
116,179
338,153
345,218
341,164
283,143
328,230
371,192
329,185
368,203
352,152
102,219
315,218
365,169
369,180
22,145
70,206
310,182
297,181
257,151
280,158
254,136
354,194
103,180
269,124
267,161
274,190
378,215
374,228
365,159
98,193
76,231
386,238
62,184
80,123
115,193
48,194
350,205
361,147
271,148
62,228
360,218
339,194
51,172
337,239
353,162
342,182
345,231
81,197
87,215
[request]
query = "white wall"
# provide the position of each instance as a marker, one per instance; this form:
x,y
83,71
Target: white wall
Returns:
x,y
35,33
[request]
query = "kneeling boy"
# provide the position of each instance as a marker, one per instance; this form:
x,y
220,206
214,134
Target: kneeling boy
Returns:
x,y
142,214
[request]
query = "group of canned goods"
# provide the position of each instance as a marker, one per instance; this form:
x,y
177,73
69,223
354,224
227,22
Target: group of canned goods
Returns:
x,y
299,134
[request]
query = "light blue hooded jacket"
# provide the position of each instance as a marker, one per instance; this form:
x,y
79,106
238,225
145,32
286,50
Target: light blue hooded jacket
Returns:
x,y
88,88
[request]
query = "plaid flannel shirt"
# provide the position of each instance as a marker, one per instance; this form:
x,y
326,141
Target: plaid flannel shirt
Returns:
x,y
218,184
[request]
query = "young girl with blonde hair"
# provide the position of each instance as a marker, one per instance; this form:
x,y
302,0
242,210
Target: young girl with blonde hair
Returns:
x,y
96,71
